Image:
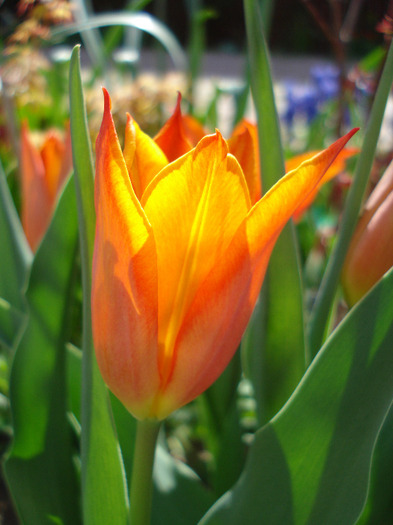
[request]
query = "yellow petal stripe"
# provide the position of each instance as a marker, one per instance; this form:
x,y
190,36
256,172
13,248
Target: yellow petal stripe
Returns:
x,y
194,206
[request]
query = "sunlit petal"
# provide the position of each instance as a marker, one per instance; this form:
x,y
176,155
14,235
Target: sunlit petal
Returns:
x,y
193,129
124,295
195,205
172,138
243,144
337,167
217,318
143,157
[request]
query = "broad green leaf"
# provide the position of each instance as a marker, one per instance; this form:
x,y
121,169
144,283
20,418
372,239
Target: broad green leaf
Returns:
x,y
311,463
279,332
179,497
104,495
379,507
39,469
331,278
14,266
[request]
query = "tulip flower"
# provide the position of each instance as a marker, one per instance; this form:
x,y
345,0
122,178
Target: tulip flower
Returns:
x,y
178,265
43,172
370,254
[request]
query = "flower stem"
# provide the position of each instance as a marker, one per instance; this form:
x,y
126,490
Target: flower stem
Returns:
x,y
141,486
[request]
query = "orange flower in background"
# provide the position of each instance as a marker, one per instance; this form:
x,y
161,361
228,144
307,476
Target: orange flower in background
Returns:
x,y
43,172
370,254
178,265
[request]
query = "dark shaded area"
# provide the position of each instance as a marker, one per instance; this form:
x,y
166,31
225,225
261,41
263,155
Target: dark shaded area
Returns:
x,y
293,29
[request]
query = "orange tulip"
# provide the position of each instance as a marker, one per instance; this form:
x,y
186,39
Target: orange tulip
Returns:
x,y
43,172
370,254
177,270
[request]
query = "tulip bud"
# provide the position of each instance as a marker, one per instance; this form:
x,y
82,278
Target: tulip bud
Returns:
x,y
370,254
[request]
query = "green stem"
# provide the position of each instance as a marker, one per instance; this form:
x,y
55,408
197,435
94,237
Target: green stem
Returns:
x,y
141,486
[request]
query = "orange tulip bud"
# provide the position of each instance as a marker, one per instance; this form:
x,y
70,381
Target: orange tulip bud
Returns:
x,y
177,271
370,254
43,172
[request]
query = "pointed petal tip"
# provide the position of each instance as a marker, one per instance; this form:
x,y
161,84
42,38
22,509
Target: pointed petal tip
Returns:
x,y
107,101
177,110
129,118
215,140
350,134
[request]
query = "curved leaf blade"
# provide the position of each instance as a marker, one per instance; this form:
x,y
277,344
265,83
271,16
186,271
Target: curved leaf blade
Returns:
x,y
39,469
179,497
311,463
275,354
104,494
15,263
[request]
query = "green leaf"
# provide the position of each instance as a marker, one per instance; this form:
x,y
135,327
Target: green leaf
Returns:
x,y
15,263
39,469
379,507
179,498
104,495
11,320
279,331
311,463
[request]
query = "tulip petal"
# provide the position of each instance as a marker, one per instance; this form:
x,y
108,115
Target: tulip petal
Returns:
x,y
360,273
370,254
52,153
144,158
66,163
172,138
193,129
195,206
243,144
124,294
270,213
36,199
337,167
216,320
